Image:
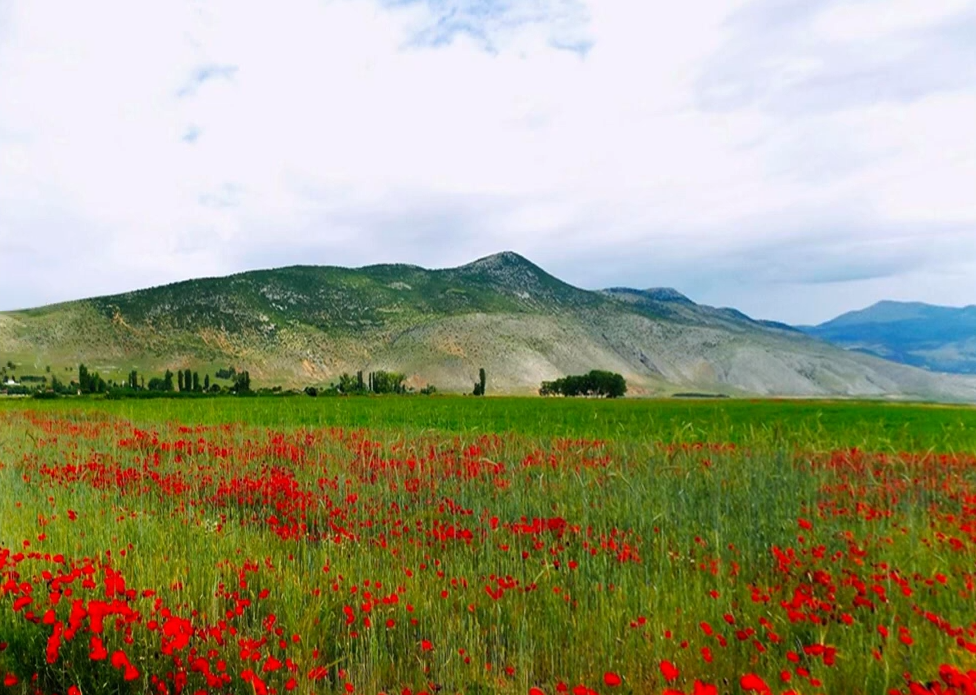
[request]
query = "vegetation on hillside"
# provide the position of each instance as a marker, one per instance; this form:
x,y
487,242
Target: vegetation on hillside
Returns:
x,y
305,326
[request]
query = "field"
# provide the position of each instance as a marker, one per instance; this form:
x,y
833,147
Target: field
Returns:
x,y
461,545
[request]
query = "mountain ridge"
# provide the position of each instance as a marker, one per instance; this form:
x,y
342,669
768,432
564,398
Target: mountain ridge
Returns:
x,y
305,324
929,336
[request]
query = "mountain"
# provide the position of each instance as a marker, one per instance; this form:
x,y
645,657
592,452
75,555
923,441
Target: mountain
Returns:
x,y
307,324
938,338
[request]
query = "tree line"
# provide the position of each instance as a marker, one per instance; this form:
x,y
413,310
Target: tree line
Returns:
x,y
598,383
183,381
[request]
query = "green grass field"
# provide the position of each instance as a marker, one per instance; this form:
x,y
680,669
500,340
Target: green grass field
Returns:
x,y
463,545
866,424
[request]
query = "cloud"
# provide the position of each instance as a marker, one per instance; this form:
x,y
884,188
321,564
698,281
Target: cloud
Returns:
x,y
673,141
492,22
205,73
821,55
191,134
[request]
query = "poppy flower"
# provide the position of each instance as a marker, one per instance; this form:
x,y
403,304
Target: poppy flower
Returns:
x,y
704,689
669,671
753,683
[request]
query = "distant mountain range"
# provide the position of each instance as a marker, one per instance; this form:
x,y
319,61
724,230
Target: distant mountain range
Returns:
x,y
938,338
305,325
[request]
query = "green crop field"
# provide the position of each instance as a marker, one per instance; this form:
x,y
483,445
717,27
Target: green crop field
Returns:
x,y
483,545
868,424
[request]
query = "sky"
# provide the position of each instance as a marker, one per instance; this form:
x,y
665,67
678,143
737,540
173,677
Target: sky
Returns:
x,y
794,159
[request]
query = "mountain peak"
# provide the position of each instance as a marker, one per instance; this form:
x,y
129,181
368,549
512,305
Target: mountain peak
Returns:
x,y
514,275
654,294
940,338
505,259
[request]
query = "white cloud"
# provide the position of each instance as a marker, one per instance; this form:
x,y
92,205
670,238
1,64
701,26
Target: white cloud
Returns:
x,y
873,19
203,138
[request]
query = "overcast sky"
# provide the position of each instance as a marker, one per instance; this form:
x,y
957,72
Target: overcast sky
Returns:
x,y
792,158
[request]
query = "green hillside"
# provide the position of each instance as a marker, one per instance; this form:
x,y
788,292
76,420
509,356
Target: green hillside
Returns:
x,y
305,325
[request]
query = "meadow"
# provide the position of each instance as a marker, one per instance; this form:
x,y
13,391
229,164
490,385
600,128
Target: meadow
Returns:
x,y
462,545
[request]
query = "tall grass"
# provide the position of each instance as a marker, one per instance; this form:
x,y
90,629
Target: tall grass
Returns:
x,y
570,540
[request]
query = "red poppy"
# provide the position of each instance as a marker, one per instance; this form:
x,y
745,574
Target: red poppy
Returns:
x,y
704,689
611,679
669,671
753,683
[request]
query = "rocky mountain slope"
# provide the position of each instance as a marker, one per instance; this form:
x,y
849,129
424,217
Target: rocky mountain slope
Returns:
x,y
938,338
305,325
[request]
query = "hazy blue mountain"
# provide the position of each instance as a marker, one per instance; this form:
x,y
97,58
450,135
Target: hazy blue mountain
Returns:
x,y
938,338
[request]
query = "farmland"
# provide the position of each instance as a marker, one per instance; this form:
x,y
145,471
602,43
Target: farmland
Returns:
x,y
422,545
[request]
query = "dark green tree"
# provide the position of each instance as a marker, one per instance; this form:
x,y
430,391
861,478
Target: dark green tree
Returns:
x,y
179,380
196,382
242,382
168,381
598,383
90,382
479,386
347,383
206,382
387,382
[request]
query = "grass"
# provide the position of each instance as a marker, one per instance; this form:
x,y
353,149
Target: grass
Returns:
x,y
513,543
869,425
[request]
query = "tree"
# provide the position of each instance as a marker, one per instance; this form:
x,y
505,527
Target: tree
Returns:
x,y
168,381
196,382
242,382
387,382
90,382
206,382
347,383
179,379
596,383
479,387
